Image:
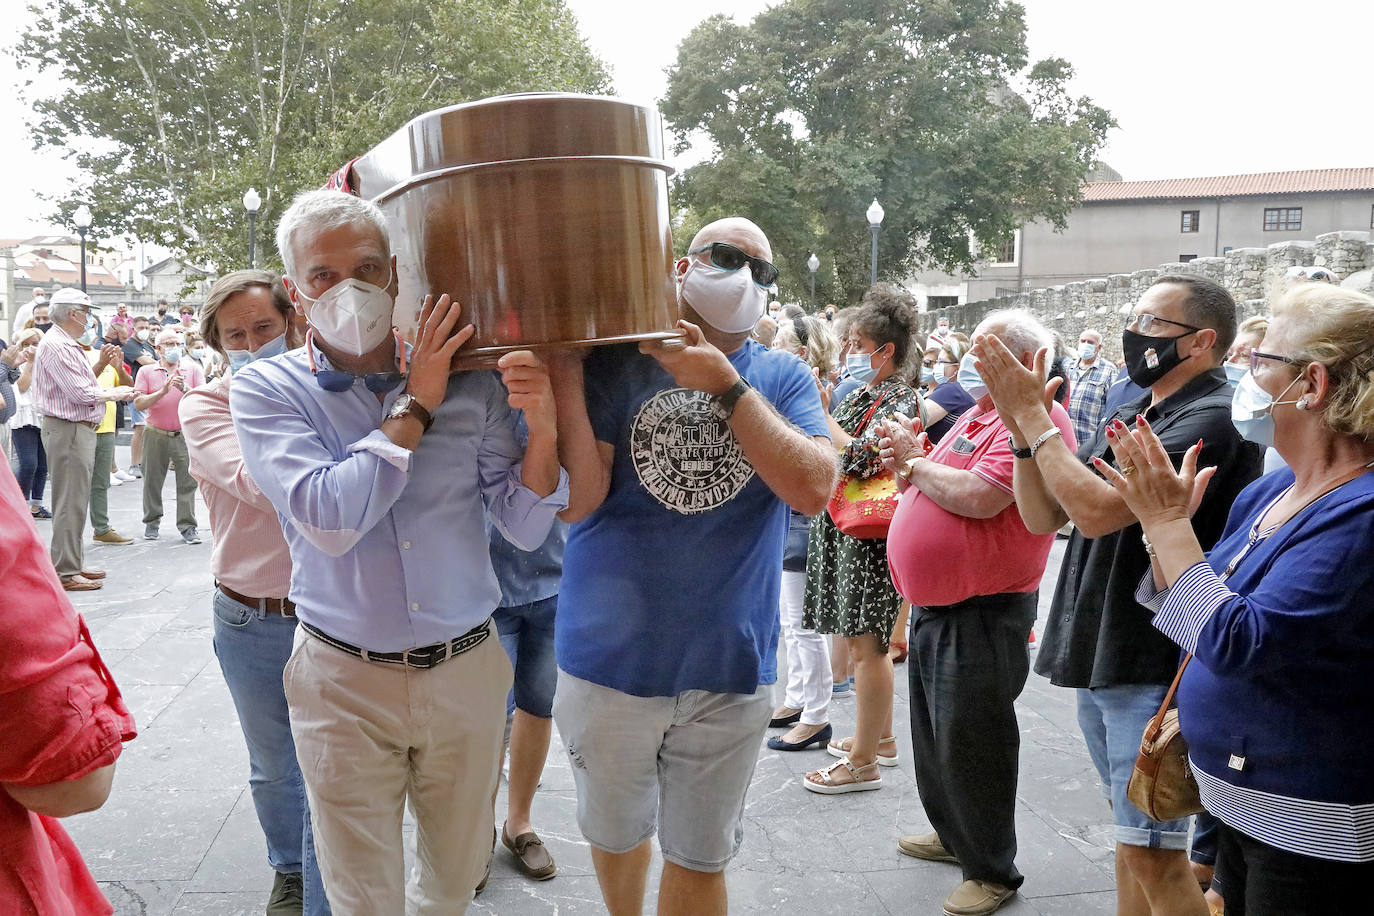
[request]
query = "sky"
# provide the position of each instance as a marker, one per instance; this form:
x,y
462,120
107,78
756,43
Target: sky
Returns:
x,y
1199,87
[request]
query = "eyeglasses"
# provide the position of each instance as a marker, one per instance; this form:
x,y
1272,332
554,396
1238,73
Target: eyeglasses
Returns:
x,y
928,363
1256,356
1144,323
336,380
728,257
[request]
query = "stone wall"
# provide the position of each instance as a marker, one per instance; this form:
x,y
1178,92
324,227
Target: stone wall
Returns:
x,y
1105,303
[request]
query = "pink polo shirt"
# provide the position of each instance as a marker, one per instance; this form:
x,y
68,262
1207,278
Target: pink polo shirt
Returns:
x,y
163,414
250,554
939,558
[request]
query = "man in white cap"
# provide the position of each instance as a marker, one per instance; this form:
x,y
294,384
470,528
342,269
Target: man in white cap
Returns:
x,y
72,404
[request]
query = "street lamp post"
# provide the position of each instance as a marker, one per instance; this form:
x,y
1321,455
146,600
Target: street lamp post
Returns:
x,y
875,219
813,264
82,219
251,202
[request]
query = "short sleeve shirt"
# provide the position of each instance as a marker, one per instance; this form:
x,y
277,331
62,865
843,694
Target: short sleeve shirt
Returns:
x,y
133,349
164,414
955,400
938,558
672,584
60,712
1097,634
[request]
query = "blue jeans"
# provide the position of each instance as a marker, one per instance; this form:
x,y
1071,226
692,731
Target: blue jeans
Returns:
x,y
1113,719
252,648
526,633
33,462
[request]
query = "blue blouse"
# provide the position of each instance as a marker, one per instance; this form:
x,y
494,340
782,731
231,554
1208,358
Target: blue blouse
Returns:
x,y
1278,705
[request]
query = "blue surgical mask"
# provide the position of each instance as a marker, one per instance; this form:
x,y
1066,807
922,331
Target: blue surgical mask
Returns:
x,y
87,337
927,375
1252,410
240,358
1087,350
969,379
860,366
172,355
197,353
1235,372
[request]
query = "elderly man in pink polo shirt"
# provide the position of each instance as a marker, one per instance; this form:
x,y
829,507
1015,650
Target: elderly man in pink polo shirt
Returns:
x,y
72,403
970,621
160,386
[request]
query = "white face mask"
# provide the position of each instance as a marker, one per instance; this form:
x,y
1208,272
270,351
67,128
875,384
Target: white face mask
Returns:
x,y
728,300
1252,410
143,335
352,315
969,379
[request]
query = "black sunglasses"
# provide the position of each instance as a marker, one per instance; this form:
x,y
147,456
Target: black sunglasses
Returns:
x,y
336,380
728,257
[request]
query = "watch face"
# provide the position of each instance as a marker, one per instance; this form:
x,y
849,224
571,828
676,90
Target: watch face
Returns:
x,y
401,405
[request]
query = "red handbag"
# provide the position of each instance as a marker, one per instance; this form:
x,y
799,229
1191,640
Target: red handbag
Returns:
x,y
862,507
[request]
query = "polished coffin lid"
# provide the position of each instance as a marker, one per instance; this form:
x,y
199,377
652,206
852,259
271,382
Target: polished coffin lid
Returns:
x,y
544,214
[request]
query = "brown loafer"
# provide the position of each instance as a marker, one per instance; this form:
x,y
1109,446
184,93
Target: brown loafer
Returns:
x,y
80,583
93,574
531,858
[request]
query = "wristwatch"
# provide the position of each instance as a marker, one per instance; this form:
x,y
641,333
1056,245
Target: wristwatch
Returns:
x,y
723,404
1022,453
407,406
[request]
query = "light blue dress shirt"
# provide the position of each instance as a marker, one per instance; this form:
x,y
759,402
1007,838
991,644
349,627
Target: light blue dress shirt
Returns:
x,y
388,546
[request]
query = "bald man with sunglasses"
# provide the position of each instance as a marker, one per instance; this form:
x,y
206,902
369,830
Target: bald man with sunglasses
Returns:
x,y
684,461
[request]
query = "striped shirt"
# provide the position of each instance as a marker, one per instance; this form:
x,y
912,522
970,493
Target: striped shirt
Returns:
x,y
63,384
1278,706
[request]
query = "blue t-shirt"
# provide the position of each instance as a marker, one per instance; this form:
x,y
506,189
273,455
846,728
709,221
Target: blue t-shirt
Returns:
x,y
672,584
955,400
527,576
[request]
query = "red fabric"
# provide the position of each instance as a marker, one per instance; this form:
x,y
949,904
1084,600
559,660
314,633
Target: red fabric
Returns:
x,y
938,558
61,715
344,180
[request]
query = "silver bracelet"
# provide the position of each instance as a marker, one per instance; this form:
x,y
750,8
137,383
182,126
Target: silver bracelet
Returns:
x,y
1149,548
1046,436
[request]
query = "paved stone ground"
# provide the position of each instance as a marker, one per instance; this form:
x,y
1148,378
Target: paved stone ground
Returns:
x,y
179,835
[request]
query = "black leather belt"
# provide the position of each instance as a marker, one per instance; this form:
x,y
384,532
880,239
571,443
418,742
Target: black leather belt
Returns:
x,y
283,606
423,657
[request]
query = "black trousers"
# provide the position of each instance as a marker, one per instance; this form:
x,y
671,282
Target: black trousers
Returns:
x,y
1262,880
968,664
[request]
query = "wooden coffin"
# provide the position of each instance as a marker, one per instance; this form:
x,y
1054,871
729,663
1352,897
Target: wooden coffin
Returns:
x,y
544,214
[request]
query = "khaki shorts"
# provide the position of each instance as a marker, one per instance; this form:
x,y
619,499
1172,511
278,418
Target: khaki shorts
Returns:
x,y
678,766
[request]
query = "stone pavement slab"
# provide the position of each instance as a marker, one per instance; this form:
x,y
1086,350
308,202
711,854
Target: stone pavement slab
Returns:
x,y
179,834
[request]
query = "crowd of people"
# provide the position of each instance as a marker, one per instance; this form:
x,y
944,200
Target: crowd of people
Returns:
x,y
418,573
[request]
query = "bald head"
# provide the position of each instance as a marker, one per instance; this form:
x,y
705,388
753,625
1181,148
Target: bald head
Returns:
x,y
737,231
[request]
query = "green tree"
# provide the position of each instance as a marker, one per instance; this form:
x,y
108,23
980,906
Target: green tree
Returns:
x,y
173,108
817,107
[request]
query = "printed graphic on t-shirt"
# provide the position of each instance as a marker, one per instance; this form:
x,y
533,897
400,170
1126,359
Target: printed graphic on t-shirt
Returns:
x,y
686,456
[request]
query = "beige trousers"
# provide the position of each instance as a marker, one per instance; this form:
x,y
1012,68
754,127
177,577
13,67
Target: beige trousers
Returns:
x,y
71,457
371,737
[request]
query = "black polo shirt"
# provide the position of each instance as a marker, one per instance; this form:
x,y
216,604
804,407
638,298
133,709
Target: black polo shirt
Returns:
x,y
1097,634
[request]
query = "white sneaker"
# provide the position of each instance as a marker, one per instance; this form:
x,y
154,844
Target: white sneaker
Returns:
x,y
115,481
123,476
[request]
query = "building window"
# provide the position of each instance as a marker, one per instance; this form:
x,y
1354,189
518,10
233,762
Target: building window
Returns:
x,y
1185,258
1282,219
941,302
1189,221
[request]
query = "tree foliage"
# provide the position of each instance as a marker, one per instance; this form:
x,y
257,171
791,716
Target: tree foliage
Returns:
x,y
172,109
817,107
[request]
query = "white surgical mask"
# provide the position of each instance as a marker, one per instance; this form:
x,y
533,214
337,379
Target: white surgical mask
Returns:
x,y
969,379
143,335
1087,350
1252,410
728,300
353,315
240,358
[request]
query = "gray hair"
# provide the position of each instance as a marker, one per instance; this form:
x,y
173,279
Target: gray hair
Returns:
x,y
59,312
315,212
1021,331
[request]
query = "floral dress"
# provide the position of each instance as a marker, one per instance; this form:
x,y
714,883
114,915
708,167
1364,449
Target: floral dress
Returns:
x,y
849,590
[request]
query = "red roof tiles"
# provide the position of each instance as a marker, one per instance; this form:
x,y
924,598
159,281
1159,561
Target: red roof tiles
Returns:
x,y
1262,183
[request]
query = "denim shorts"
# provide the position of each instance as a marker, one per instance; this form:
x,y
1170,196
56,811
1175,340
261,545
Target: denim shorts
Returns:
x,y
526,633
136,416
1113,719
678,766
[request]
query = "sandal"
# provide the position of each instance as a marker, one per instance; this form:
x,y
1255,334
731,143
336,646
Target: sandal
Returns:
x,y
825,781
841,747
